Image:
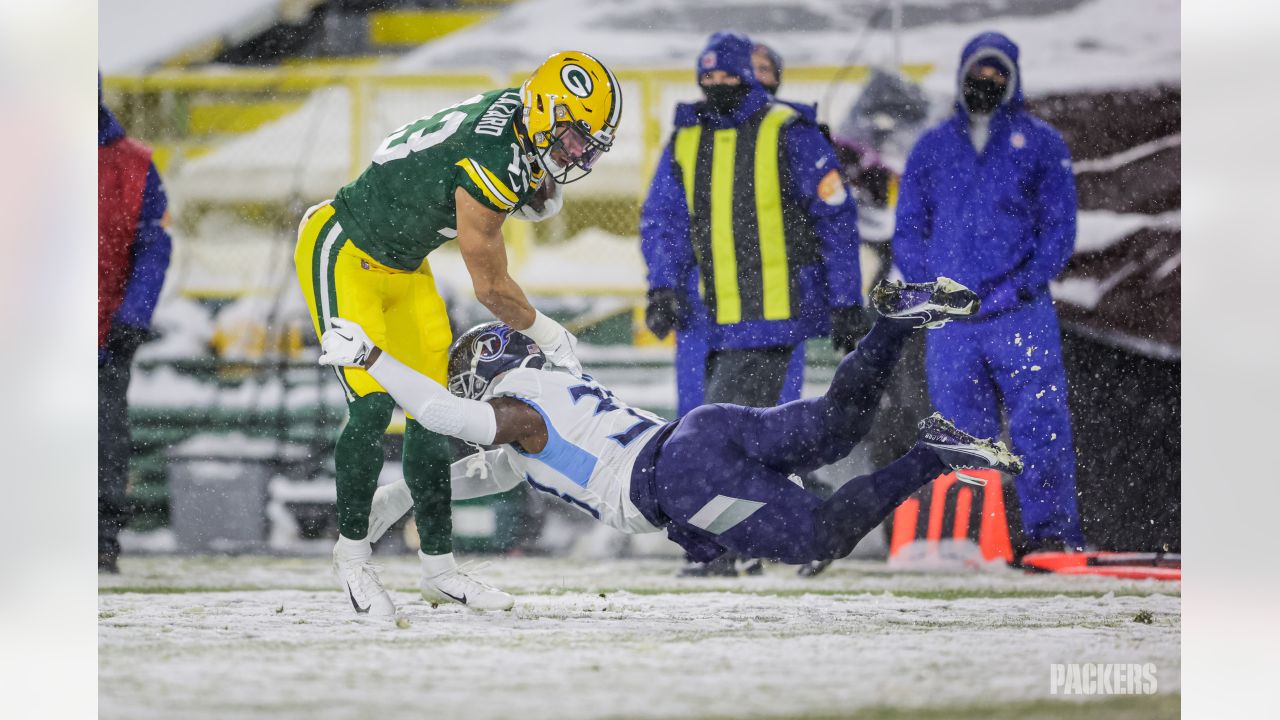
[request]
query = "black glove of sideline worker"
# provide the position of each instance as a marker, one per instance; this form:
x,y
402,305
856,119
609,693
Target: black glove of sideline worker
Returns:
x,y
123,340
665,312
848,325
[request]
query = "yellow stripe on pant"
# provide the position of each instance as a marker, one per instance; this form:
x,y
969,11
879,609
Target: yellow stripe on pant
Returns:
x,y
401,311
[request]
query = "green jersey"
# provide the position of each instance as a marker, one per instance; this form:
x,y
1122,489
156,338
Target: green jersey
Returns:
x,y
402,206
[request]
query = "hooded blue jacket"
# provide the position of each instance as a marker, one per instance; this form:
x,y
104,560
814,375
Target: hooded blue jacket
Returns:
x,y
664,219
1002,222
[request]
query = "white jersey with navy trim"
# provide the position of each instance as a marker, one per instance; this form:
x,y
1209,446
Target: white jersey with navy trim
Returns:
x,y
593,439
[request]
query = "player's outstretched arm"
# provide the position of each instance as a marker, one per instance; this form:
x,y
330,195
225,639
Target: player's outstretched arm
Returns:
x,y
483,250
477,475
497,421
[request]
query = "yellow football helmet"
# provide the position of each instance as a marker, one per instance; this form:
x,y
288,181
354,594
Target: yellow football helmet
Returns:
x,y
572,105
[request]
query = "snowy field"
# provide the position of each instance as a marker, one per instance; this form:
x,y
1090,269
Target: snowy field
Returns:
x,y
219,637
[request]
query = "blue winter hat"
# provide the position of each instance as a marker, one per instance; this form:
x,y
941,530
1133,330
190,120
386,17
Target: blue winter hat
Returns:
x,y
727,51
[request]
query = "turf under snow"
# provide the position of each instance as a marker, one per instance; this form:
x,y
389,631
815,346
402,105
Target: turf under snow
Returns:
x,y
270,637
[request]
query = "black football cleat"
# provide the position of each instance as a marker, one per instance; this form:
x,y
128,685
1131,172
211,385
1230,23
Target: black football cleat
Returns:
x,y
961,451
925,305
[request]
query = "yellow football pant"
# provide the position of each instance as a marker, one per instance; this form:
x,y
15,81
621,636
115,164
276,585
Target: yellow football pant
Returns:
x,y
401,311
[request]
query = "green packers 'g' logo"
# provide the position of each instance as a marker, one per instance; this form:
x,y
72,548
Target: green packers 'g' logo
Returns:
x,y
576,79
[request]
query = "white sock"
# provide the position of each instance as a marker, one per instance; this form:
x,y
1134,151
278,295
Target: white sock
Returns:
x,y
354,549
433,565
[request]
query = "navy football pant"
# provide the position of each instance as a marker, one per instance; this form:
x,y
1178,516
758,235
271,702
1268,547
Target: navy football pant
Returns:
x,y
722,476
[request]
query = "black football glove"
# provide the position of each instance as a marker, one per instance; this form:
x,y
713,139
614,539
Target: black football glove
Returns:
x,y
848,325
665,311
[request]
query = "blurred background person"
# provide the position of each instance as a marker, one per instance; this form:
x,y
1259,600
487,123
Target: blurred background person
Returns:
x,y
133,254
988,198
750,237
767,65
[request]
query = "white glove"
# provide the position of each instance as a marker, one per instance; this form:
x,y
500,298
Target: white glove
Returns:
x,y
344,343
550,206
557,343
390,503
478,466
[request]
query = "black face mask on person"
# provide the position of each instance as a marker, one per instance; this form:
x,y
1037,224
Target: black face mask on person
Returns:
x,y
725,99
983,94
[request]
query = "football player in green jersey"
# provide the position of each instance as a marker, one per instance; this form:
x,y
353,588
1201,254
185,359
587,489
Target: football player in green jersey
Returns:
x,y
456,174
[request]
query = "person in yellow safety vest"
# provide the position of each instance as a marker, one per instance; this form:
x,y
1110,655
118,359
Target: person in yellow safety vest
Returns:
x,y
749,232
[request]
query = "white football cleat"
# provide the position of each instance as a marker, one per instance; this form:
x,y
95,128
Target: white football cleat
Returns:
x,y
454,584
359,579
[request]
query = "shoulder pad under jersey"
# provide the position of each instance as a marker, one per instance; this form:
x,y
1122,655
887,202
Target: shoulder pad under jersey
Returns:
x,y
521,382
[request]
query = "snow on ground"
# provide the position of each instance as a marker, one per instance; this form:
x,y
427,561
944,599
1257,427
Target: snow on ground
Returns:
x,y
220,637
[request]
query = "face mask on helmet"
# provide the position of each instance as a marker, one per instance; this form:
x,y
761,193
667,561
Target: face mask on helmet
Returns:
x,y
723,98
485,352
572,153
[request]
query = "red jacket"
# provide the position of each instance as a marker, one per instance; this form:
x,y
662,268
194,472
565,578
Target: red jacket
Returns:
x,y
122,178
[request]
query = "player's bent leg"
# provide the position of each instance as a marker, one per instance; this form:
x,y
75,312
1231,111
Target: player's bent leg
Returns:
x,y
864,502
333,283
803,435
861,504
418,335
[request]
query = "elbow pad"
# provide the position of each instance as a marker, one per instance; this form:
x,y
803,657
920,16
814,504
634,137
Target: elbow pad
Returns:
x,y
434,407
469,420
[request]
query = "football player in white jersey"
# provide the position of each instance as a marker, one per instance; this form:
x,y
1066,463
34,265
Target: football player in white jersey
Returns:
x,y
717,479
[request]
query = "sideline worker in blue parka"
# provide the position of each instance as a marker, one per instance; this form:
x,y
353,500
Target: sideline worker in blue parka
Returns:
x,y
750,236
988,198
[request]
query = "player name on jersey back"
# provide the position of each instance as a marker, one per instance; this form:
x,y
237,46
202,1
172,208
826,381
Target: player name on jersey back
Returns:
x,y
497,118
593,439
